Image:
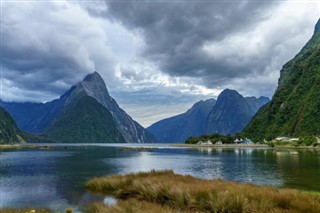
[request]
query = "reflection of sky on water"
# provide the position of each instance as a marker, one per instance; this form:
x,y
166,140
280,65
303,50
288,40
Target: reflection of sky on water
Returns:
x,y
233,164
33,180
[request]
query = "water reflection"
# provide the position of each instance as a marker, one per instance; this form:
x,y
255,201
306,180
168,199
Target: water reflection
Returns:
x,y
110,200
55,178
240,165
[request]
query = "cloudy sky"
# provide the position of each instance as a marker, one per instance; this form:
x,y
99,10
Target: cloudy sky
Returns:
x,y
157,57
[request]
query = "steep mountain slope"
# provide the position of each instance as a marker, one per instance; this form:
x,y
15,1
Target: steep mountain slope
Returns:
x,y
85,121
180,127
295,106
94,86
38,118
9,131
232,112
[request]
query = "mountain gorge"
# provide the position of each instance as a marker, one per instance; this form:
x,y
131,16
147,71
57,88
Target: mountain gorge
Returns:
x,y
228,115
65,120
295,107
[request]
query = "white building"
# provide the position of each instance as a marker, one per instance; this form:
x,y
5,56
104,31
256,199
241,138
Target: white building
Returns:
x,y
219,143
204,143
284,139
238,140
293,139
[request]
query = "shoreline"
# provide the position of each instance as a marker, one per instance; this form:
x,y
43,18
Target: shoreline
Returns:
x,y
243,146
157,145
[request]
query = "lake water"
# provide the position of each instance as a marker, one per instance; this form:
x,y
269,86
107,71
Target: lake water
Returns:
x,y
55,178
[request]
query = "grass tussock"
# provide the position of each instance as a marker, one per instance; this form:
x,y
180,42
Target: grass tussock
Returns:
x,y
130,206
177,193
138,148
25,210
24,146
16,146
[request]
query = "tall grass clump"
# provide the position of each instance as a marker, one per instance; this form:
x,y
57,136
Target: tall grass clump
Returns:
x,y
25,210
171,192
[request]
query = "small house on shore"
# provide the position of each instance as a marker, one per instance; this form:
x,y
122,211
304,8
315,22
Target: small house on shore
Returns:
x,y
284,139
219,143
293,139
243,141
204,143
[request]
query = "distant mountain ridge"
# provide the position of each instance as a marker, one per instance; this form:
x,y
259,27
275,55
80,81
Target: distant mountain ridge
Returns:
x,y
229,114
232,112
40,118
294,110
179,128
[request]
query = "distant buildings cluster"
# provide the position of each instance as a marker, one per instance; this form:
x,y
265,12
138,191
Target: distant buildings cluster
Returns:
x,y
236,141
249,141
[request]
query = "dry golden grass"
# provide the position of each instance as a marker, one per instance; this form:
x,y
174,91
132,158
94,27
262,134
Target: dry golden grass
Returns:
x,y
25,210
177,193
16,146
131,206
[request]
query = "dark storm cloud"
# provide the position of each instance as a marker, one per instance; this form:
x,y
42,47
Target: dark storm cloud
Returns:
x,y
47,47
176,32
157,57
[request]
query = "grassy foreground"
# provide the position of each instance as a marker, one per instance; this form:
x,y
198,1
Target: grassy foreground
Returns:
x,y
28,210
166,192
23,146
16,146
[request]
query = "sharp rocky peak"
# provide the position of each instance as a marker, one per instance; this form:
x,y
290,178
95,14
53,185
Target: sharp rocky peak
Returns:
x,y
95,76
94,85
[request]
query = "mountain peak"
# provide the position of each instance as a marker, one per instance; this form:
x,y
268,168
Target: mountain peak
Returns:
x,y
94,85
229,93
95,76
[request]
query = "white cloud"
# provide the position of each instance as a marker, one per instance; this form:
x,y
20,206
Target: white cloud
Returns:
x,y
272,42
49,46
144,75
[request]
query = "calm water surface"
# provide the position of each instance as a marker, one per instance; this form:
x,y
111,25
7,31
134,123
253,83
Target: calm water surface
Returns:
x,y
55,178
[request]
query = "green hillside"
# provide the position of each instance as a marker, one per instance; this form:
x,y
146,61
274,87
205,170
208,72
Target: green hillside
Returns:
x,y
9,131
295,107
85,121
